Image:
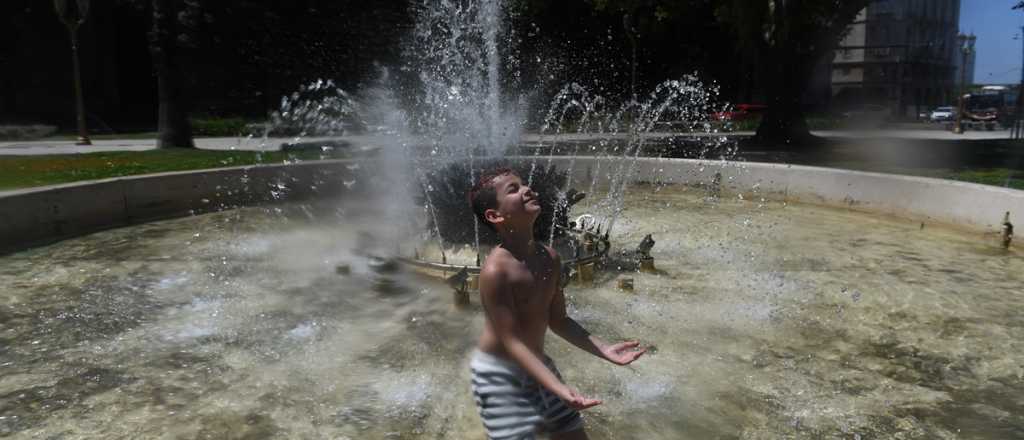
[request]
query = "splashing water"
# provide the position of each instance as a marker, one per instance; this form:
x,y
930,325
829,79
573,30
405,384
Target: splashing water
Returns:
x,y
456,51
316,109
461,114
684,104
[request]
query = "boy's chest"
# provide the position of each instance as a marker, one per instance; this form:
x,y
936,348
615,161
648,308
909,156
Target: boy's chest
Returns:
x,y
532,288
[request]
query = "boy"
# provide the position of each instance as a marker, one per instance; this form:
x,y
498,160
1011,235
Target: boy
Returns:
x,y
518,390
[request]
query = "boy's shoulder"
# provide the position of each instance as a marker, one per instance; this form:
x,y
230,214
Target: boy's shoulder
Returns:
x,y
500,260
496,263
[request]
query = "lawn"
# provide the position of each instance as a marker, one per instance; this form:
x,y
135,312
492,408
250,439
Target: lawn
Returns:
x,y
990,176
1003,177
29,171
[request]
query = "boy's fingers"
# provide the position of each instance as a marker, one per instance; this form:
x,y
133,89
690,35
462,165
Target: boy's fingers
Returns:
x,y
628,344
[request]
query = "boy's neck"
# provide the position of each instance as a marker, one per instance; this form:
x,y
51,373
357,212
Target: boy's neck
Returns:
x,y
518,242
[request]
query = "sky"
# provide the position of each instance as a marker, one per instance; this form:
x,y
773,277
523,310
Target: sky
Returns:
x,y
995,24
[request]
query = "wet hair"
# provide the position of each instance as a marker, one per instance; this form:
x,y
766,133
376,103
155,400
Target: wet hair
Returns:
x,y
484,195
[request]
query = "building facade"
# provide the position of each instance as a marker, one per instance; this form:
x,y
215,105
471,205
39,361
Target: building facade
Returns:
x,y
900,54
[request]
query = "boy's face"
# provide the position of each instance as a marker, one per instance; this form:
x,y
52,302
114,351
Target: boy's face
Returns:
x,y
518,206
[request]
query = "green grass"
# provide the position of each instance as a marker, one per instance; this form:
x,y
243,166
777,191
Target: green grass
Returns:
x,y
97,137
29,171
993,176
1002,177
813,123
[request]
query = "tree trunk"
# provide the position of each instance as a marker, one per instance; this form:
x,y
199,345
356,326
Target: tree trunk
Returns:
x,y
172,120
175,130
783,124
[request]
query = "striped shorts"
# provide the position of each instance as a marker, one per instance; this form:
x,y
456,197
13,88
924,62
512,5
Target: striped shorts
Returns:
x,y
511,403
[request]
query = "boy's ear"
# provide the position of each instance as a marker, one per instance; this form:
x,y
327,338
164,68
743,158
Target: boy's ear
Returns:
x,y
493,216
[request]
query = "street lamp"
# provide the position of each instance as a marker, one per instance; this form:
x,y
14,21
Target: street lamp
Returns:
x,y
966,44
73,14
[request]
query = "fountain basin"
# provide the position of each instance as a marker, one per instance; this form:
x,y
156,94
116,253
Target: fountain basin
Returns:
x,y
771,320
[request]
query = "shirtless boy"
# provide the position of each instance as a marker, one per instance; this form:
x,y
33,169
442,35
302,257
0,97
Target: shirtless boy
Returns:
x,y
518,390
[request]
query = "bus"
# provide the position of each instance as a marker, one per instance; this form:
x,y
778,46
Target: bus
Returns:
x,y
991,105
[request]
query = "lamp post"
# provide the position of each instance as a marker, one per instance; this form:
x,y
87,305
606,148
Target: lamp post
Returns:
x,y
73,13
1020,98
966,44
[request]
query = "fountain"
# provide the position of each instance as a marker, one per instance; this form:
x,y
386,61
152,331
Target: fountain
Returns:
x,y
772,318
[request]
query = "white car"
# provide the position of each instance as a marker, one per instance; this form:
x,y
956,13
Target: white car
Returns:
x,y
941,114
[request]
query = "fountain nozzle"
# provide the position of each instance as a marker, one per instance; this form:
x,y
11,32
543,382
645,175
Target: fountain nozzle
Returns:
x,y
460,282
1007,231
643,254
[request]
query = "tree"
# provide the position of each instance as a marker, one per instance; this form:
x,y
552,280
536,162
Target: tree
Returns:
x,y
171,19
599,43
73,14
171,24
789,37
780,40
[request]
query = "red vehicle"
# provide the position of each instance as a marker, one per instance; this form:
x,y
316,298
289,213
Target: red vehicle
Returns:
x,y
991,104
740,112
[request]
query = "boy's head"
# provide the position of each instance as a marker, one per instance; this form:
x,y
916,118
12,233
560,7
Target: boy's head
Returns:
x,y
502,201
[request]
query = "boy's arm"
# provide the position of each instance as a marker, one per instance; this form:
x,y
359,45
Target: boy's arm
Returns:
x,y
567,328
501,311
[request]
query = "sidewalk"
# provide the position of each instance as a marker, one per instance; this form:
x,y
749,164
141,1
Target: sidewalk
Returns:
x,y
33,148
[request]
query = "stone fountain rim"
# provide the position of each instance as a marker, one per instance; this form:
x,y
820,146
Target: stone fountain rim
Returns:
x,y
35,216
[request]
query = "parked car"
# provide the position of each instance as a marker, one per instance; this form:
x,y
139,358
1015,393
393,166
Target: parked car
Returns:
x,y
740,112
942,114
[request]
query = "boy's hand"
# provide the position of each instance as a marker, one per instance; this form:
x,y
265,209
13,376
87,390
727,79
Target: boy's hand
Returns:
x,y
577,401
623,353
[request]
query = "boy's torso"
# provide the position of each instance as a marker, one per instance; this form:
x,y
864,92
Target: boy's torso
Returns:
x,y
532,283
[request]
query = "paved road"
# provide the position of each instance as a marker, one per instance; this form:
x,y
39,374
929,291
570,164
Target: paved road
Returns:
x,y
273,144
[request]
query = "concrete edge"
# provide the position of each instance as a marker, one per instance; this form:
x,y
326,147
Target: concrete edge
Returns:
x,y
36,216
963,205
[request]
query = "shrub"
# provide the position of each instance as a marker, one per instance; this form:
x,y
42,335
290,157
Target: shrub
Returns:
x,y
25,132
225,127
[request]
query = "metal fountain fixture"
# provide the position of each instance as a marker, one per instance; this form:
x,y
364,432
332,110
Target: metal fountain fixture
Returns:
x,y
1007,234
645,262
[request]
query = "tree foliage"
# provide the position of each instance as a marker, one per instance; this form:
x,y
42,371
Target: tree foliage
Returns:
x,y
774,46
786,39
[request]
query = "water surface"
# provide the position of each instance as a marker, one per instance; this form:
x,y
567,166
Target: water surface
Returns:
x,y
769,321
